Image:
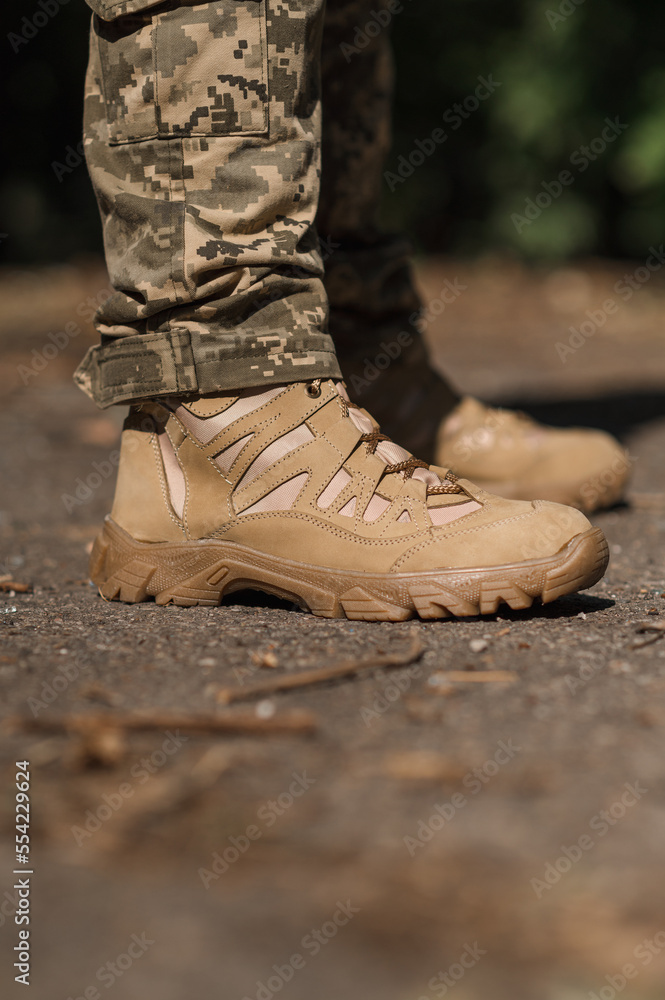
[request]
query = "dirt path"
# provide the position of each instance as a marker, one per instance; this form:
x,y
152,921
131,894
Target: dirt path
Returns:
x,y
504,839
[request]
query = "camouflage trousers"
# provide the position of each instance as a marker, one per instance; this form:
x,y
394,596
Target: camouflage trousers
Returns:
x,y
236,149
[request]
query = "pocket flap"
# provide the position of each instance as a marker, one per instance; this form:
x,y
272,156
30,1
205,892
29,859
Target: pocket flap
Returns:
x,y
193,70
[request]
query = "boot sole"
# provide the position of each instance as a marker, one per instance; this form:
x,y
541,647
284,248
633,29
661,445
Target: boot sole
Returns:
x,y
204,572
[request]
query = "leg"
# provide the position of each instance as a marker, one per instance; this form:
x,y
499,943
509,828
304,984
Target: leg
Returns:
x,y
368,278
244,462
374,305
207,184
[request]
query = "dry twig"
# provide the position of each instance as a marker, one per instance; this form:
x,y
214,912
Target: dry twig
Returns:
x,y
298,722
306,678
7,585
657,627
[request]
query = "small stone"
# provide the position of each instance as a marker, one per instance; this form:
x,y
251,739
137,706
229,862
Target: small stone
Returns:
x,y
207,661
265,709
267,659
478,645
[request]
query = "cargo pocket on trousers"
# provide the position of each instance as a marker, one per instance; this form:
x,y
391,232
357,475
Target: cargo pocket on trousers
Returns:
x,y
194,71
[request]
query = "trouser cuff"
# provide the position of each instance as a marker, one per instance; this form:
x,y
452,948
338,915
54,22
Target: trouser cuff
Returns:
x,y
179,362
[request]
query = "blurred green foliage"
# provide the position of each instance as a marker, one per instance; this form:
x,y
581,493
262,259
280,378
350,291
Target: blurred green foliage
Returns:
x,y
564,67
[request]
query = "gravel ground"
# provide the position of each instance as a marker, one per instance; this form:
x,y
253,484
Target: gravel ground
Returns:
x,y
503,839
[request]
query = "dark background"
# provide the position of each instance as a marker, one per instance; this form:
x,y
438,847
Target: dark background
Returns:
x,y
560,78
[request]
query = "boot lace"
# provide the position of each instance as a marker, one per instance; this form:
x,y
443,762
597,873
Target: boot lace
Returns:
x,y
372,439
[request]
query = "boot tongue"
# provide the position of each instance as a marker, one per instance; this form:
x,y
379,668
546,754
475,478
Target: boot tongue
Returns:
x,y
388,451
393,454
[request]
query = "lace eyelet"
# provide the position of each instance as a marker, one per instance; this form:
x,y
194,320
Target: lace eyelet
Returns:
x,y
313,389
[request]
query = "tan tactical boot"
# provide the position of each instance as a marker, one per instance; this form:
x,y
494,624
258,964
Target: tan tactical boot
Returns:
x,y
293,491
508,453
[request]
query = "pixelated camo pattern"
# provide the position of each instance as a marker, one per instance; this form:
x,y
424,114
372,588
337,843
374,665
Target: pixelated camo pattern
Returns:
x,y
202,136
203,140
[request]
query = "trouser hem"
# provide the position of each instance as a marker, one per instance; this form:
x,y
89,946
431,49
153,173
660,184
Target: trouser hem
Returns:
x,y
168,363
